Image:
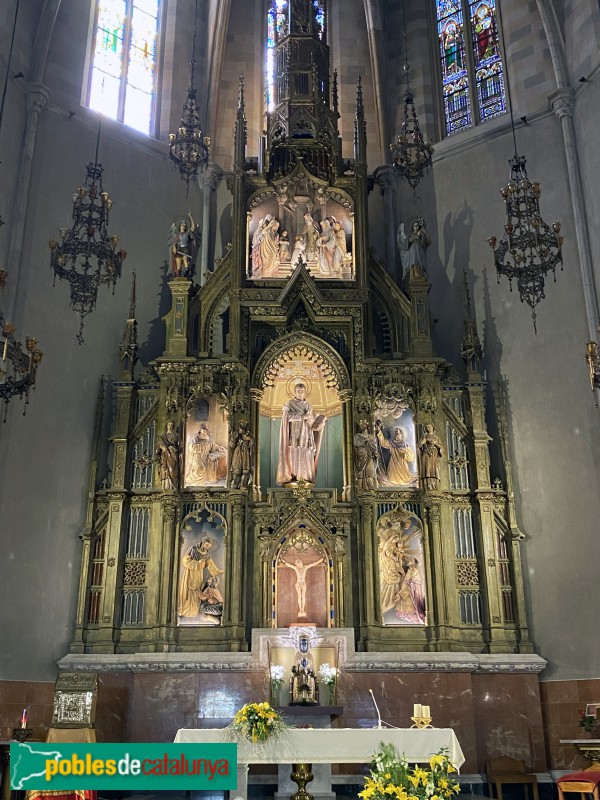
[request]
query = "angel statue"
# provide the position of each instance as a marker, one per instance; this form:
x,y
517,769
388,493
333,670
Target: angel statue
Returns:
x,y
413,246
183,244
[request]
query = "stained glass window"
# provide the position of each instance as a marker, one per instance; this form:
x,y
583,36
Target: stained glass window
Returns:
x,y
123,73
278,27
320,19
471,64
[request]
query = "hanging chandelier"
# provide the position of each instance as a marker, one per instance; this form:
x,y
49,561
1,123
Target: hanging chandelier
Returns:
x,y
87,256
188,149
411,152
530,248
18,365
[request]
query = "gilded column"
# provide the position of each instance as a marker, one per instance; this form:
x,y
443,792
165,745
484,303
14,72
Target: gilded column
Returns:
x,y
177,319
255,398
345,396
235,580
163,572
368,566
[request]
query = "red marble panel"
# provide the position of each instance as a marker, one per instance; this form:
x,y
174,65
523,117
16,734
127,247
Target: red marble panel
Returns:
x,y
561,702
113,716
508,719
448,694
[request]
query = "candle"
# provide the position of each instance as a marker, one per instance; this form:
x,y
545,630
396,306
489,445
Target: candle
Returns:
x,y
417,710
425,711
24,718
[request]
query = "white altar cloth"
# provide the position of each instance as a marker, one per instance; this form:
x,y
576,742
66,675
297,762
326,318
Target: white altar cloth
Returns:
x,y
334,745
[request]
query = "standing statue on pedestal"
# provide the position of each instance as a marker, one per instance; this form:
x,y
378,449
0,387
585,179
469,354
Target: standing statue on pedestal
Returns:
x,y
299,440
183,244
431,450
169,458
413,246
242,457
365,458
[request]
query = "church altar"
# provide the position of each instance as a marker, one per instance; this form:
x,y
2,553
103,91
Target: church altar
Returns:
x,y
330,746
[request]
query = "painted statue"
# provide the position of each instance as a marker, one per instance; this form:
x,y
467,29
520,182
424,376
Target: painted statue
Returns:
x,y
242,457
365,458
431,451
198,591
413,246
183,243
399,471
269,249
330,256
300,568
207,460
299,440
169,458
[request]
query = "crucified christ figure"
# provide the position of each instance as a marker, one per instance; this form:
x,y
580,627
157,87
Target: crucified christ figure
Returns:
x,y
301,569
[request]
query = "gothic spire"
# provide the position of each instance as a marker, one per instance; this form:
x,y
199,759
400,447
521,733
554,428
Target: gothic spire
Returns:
x,y
360,126
241,127
128,349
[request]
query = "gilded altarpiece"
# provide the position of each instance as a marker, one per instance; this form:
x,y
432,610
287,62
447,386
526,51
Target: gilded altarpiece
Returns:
x,y
298,445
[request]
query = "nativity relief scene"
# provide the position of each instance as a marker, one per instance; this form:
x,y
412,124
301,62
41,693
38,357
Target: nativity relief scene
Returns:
x,y
299,457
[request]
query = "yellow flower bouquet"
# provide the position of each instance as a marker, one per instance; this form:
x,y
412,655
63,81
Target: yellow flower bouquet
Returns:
x,y
391,777
257,722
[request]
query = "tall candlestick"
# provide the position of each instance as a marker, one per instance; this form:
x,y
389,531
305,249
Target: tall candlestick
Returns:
x,y
24,718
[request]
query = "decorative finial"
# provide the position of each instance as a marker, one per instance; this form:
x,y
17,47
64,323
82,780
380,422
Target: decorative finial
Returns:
x,y
334,95
471,350
241,102
360,107
132,301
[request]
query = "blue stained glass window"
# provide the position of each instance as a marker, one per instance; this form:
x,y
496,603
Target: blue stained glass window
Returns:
x,y
124,60
471,75
278,27
489,75
320,20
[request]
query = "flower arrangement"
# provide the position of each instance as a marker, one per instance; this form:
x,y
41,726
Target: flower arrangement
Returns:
x,y
277,673
588,722
392,777
257,722
327,675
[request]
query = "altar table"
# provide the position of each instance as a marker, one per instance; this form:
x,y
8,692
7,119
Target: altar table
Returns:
x,y
330,746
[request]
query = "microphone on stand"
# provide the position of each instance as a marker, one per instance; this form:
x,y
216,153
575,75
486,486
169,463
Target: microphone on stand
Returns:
x,y
379,725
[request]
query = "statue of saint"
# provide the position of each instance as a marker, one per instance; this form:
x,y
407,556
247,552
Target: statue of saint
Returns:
x,y
365,458
304,690
431,451
169,456
269,249
198,592
330,254
402,456
299,440
242,457
207,460
310,234
183,243
300,568
413,246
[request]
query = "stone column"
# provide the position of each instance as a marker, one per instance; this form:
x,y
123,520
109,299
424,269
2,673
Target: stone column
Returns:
x,y
345,396
386,180
38,97
255,398
163,577
235,582
563,101
366,537
211,177
177,319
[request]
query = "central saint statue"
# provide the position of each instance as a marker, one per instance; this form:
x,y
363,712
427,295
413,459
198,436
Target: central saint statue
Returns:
x,y
299,440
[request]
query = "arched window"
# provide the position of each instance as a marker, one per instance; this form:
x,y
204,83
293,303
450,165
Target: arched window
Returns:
x,y
471,62
123,63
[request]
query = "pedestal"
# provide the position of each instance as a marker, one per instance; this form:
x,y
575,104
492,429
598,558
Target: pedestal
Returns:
x,y
320,786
